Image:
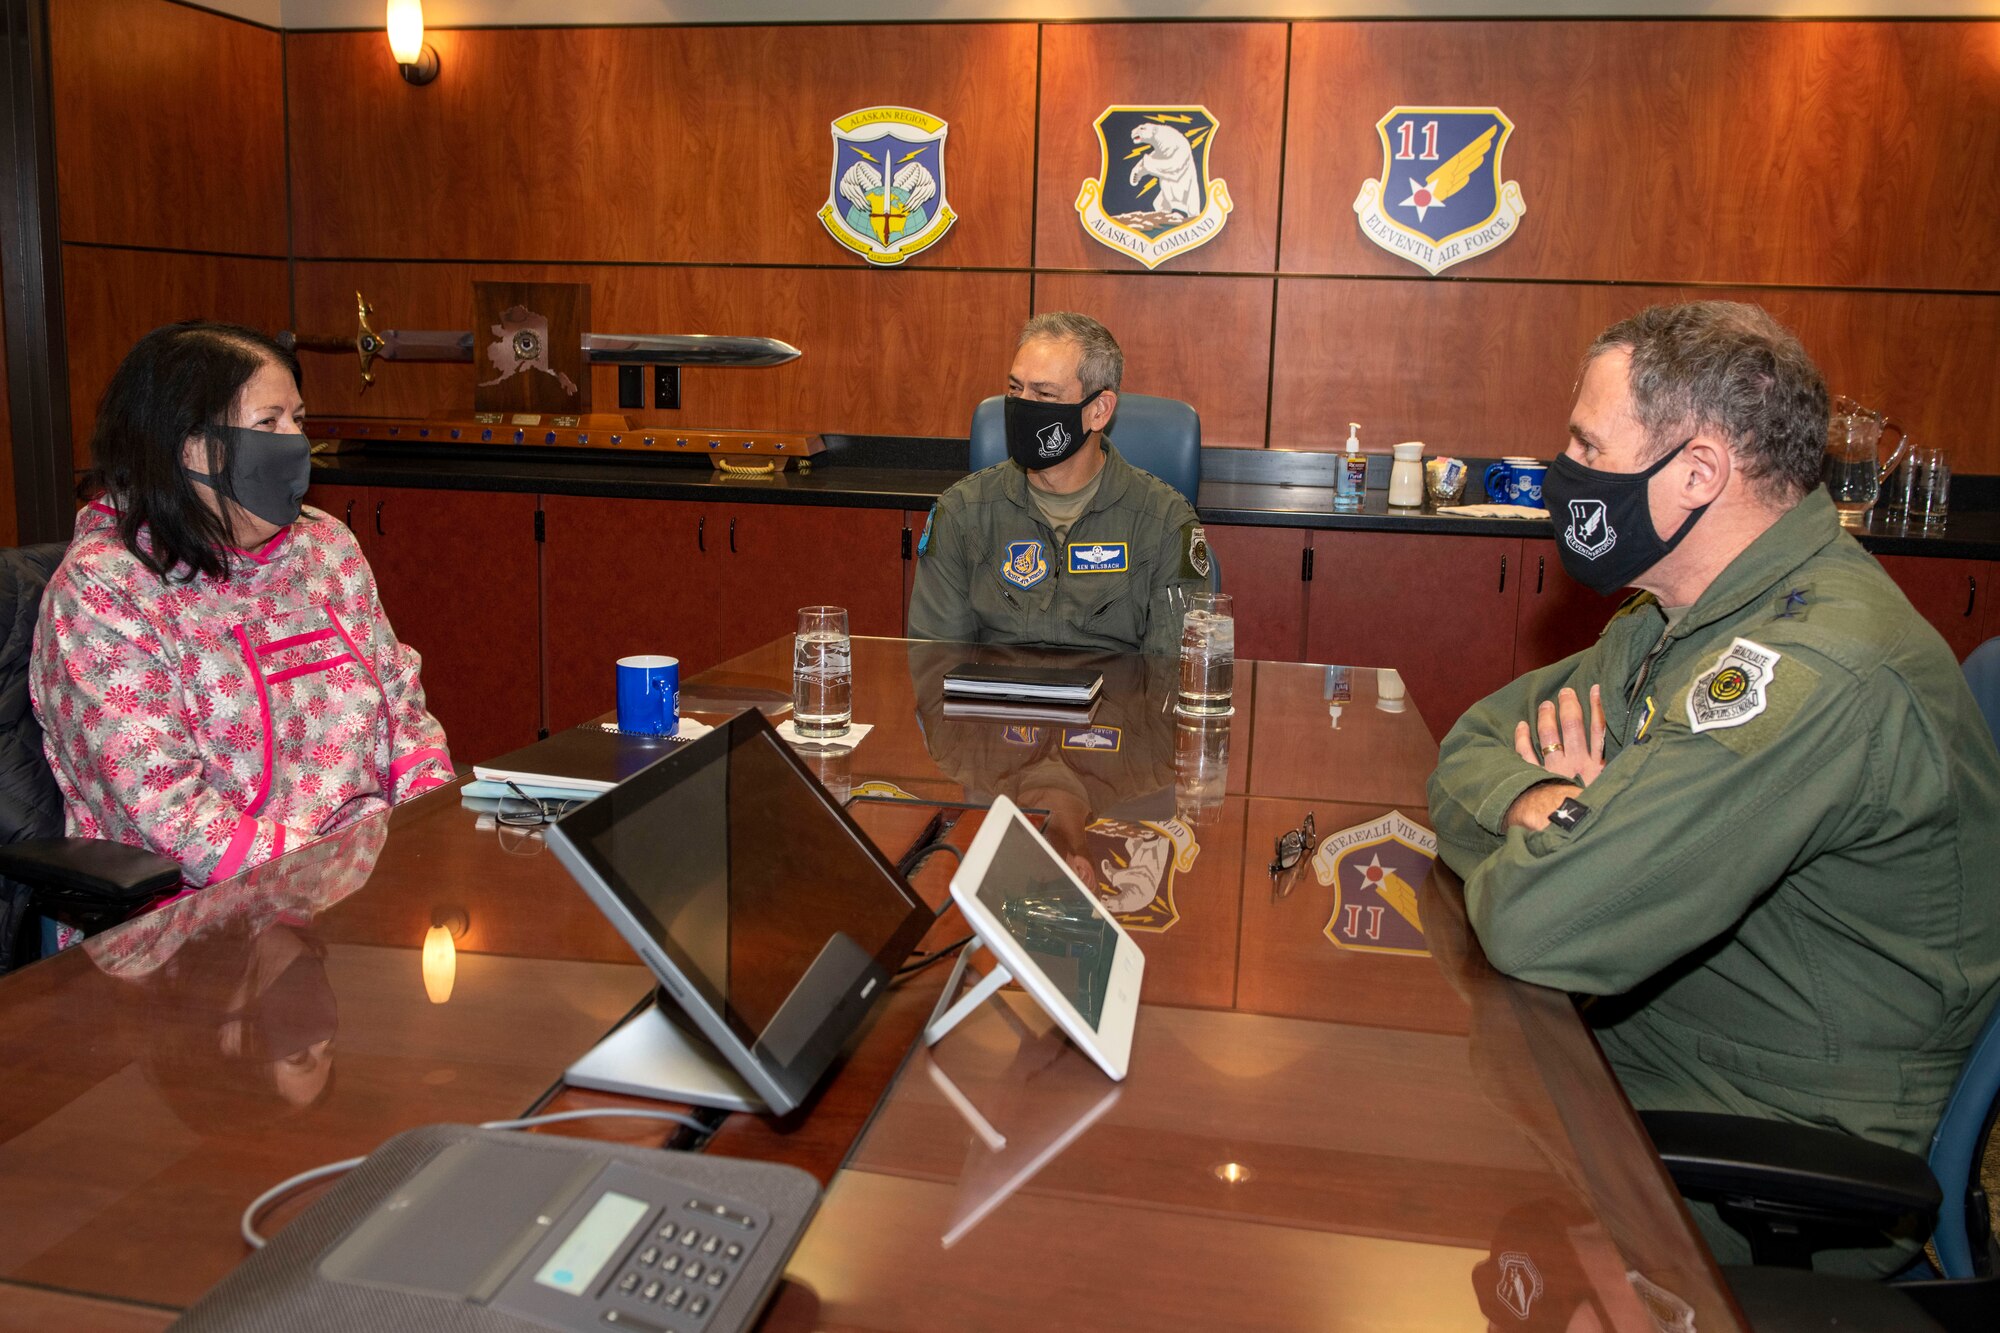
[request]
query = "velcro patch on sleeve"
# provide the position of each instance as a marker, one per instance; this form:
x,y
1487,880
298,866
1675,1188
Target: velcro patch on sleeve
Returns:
x,y
1195,560
1749,695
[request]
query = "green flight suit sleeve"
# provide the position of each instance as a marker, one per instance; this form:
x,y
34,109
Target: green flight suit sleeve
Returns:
x,y
941,597
1177,571
1684,833
1479,774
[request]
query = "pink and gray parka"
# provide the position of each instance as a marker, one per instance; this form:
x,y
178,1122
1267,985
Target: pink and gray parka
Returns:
x,y
225,722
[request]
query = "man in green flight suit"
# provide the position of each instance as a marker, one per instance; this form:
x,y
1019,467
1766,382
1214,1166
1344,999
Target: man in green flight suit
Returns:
x,y
1065,544
1760,817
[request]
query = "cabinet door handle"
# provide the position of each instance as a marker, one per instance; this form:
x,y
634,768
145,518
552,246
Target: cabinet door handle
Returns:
x,y
1503,573
1971,593
378,518
701,534
349,520
1541,562
732,536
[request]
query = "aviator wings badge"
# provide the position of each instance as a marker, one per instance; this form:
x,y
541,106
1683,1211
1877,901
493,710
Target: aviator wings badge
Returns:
x,y
887,201
1153,197
1440,199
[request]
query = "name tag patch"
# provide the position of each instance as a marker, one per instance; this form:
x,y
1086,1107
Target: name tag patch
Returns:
x,y
1105,740
1026,564
1097,558
1735,689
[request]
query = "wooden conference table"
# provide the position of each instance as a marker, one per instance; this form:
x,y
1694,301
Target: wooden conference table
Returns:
x,y
1337,1116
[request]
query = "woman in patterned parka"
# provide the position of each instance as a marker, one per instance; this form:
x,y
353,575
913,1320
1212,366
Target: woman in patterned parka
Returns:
x,y
212,667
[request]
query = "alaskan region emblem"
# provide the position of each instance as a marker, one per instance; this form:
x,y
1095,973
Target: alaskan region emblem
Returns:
x,y
1732,691
887,201
1153,197
1025,565
1589,533
1440,199
1376,870
1136,862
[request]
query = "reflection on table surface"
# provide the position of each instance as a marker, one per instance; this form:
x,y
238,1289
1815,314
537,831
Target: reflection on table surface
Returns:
x,y
1337,1114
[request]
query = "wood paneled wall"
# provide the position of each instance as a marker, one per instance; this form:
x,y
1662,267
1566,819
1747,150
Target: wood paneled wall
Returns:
x,y
1843,174
170,167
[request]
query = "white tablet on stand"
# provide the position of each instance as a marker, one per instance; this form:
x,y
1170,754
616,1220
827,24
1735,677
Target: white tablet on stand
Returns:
x,y
1049,932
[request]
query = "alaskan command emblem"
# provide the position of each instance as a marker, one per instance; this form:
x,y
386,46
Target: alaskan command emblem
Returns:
x,y
1376,870
1025,565
887,201
1734,690
1153,197
1440,199
1137,861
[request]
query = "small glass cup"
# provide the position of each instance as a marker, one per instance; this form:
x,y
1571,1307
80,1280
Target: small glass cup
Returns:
x,y
1201,767
1208,656
1930,491
822,673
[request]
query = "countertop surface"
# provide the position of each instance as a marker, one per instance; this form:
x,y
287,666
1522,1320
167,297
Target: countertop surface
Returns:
x,y
1268,488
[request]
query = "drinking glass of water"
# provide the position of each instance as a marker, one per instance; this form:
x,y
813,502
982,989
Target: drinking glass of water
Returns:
x,y
822,673
1208,656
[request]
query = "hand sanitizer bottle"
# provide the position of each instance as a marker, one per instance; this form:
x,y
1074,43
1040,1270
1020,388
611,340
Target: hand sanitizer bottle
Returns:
x,y
1351,476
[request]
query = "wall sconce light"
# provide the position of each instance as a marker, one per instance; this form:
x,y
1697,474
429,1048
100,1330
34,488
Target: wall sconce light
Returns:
x,y
417,58
441,952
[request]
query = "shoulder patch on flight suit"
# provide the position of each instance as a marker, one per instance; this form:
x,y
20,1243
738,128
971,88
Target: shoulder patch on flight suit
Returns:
x,y
1747,697
1195,561
924,542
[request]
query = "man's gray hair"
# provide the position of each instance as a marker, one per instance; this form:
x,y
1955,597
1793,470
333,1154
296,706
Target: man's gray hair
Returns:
x,y
1729,368
1103,363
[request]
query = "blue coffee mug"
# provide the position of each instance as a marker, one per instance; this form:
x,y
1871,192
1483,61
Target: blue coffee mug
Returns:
x,y
1516,481
649,695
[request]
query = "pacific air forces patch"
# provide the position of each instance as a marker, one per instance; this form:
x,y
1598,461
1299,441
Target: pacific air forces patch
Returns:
x,y
1025,565
1732,691
1195,558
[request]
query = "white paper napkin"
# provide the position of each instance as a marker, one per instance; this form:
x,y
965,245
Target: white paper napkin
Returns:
x,y
789,730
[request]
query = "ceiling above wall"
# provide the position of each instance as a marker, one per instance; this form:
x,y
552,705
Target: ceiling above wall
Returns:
x,y
321,14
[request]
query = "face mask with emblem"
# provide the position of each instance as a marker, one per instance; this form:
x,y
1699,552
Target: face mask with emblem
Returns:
x,y
1040,435
1608,540
268,471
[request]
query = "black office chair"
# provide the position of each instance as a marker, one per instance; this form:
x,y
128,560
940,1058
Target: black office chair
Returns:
x,y
1157,435
89,883
1792,1190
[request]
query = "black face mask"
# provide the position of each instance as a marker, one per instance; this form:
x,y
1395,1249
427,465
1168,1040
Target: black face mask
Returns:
x,y
1606,536
1041,435
269,472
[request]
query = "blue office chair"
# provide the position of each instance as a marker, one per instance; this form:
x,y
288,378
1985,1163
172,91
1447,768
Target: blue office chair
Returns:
x,y
1157,435
1982,673
1793,1189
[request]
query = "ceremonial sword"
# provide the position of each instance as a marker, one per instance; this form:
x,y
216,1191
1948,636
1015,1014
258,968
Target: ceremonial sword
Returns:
x,y
623,349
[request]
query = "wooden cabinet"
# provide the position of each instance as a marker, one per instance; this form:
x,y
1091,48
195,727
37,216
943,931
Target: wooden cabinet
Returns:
x,y
457,574
1956,596
1558,615
702,582
1441,610
1263,569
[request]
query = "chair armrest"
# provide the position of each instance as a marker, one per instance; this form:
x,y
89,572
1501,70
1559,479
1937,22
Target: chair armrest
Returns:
x,y
89,872
1796,1165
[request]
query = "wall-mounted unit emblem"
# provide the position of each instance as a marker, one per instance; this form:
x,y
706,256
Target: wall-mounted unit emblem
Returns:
x,y
887,201
1440,199
1154,197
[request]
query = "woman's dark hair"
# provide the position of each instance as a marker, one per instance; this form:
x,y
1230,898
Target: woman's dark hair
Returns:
x,y
178,381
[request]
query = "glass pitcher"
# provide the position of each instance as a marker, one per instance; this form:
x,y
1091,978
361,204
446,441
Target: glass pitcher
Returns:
x,y
1855,468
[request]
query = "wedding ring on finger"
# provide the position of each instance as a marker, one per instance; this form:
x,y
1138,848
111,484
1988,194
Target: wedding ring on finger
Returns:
x,y
1548,750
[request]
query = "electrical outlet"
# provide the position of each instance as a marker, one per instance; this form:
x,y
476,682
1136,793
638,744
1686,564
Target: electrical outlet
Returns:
x,y
666,387
631,387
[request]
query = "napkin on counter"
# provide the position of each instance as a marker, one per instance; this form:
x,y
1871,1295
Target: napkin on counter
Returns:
x,y
1493,511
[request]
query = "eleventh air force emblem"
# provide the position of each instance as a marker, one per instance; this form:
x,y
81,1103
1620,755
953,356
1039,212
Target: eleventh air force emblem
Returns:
x,y
1153,197
1440,199
887,201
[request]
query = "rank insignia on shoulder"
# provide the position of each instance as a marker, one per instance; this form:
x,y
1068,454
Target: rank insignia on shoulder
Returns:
x,y
1795,604
1735,689
1569,814
1098,558
1025,565
1195,558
